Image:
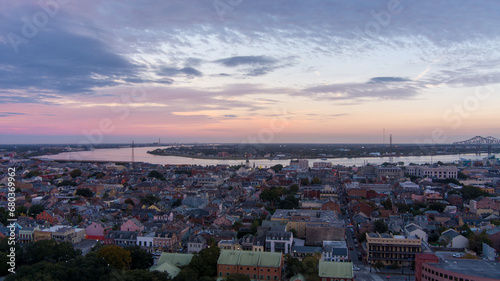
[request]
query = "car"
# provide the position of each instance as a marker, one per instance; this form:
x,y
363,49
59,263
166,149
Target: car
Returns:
x,y
458,255
355,268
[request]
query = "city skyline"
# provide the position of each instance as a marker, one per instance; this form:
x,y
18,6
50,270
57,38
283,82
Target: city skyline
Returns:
x,y
248,71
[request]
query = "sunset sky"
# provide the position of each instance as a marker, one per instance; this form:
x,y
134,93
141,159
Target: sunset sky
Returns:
x,y
248,71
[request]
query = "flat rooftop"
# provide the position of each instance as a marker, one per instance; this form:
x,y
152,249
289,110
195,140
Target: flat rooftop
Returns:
x,y
477,268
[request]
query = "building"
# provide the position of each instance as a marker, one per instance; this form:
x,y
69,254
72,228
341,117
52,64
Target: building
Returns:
x,y
429,268
229,245
415,230
121,238
256,265
390,249
493,235
389,172
132,225
196,244
335,271
454,239
146,241
439,172
279,240
335,251
301,219
322,165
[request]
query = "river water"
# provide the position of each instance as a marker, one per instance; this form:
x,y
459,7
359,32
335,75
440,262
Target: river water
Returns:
x,y
141,155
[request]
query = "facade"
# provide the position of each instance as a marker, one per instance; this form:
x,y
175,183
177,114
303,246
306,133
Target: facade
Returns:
x,y
335,271
121,238
256,265
440,172
301,219
146,242
96,231
454,239
389,172
335,251
26,235
132,225
279,241
429,268
390,249
196,244
229,245
415,230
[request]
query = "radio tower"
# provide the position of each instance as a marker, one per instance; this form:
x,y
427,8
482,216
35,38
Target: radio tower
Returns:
x,y
132,154
390,143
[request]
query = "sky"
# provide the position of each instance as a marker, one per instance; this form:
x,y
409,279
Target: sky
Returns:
x,y
248,71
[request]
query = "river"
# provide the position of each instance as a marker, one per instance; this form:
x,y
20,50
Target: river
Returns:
x,y
141,155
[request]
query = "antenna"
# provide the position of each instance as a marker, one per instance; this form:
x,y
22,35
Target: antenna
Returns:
x,y
383,136
132,153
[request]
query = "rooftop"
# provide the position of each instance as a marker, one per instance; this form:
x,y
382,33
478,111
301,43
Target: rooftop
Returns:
x,y
477,268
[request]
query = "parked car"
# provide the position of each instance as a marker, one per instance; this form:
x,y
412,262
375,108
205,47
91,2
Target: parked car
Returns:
x,y
355,268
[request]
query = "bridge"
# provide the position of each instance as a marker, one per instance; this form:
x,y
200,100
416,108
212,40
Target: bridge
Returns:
x,y
478,141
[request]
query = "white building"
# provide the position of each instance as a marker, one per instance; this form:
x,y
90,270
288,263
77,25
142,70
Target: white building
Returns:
x,y
440,172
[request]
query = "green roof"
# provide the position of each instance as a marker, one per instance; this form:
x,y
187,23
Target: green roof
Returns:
x,y
250,258
335,269
171,269
177,259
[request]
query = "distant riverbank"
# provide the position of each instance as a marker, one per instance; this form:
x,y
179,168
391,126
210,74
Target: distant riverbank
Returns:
x,y
141,155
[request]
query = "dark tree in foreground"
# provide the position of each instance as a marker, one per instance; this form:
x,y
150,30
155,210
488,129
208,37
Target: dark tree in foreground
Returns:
x,y
380,226
140,258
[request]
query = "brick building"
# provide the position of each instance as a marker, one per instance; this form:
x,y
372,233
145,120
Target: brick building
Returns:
x,y
256,265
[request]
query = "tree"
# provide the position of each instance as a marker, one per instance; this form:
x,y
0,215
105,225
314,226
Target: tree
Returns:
x,y
50,251
476,241
316,180
176,203
380,226
187,274
437,206
290,202
310,265
129,201
387,204
237,277
471,192
294,188
35,210
140,258
304,181
115,256
204,263
75,173
21,210
277,168
379,264
85,192
149,199
293,266
143,275
156,174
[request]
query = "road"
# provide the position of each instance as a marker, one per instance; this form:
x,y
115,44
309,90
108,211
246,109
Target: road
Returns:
x,y
364,273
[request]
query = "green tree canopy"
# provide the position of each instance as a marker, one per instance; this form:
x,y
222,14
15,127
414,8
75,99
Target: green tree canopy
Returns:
x,y
115,256
156,174
380,226
140,258
85,192
35,210
471,192
75,173
277,168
